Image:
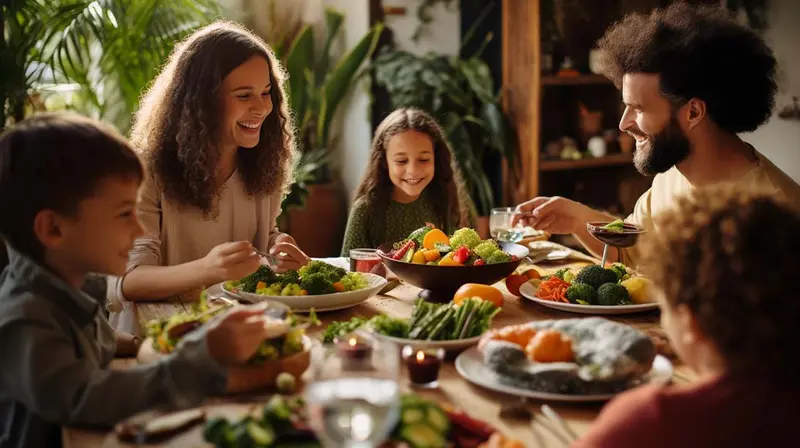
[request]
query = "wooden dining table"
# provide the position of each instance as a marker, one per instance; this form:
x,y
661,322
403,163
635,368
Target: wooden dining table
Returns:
x,y
479,403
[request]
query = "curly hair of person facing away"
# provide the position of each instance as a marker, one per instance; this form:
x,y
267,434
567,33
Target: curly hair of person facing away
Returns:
x,y
734,256
699,52
178,126
447,186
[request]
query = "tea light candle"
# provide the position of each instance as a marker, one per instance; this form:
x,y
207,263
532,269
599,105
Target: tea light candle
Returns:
x,y
423,366
353,347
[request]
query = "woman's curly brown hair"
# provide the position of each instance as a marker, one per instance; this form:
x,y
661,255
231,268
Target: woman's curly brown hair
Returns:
x,y
177,126
699,52
732,257
446,187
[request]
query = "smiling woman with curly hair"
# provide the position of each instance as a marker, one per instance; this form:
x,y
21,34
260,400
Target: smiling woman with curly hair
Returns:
x,y
216,135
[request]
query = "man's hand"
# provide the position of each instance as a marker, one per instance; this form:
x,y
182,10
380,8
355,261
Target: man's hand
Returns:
x,y
556,215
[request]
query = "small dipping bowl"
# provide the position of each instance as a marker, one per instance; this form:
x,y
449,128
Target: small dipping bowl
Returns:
x,y
627,238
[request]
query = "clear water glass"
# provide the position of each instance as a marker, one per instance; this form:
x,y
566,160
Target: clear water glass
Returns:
x,y
354,395
500,225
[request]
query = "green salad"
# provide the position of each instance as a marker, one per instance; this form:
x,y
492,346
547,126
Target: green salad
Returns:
x,y
285,344
315,278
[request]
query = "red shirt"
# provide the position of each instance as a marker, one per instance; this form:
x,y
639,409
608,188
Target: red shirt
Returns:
x,y
728,411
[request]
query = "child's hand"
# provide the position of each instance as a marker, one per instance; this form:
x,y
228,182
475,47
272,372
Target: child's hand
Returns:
x,y
287,254
231,261
127,344
235,337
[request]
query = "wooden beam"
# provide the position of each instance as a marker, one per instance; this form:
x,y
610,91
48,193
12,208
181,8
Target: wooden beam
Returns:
x,y
521,89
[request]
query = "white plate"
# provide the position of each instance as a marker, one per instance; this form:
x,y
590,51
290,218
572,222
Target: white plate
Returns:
x,y
217,292
448,346
322,302
528,292
469,365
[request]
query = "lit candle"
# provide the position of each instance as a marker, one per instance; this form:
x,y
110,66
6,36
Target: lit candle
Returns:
x,y
354,349
423,366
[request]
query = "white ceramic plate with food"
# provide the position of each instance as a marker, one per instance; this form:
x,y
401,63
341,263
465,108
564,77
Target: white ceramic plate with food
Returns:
x,y
455,345
469,365
218,293
321,302
529,292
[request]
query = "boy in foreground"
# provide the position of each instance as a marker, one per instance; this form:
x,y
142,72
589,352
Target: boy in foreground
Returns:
x,y
68,191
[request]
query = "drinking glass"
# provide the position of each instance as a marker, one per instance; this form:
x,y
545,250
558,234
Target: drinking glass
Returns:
x,y
500,225
363,260
354,395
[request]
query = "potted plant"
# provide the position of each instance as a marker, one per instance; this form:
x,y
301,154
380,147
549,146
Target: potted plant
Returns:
x,y
317,85
108,51
460,93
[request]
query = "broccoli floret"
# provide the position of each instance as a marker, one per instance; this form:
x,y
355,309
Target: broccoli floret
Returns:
x,y
596,275
274,289
263,274
330,272
498,257
316,284
582,292
620,270
292,289
465,237
353,281
486,249
288,277
613,294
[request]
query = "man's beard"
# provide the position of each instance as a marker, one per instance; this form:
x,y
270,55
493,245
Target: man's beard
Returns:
x,y
663,150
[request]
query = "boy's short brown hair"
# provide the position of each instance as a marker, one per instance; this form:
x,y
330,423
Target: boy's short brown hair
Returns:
x,y
54,161
733,258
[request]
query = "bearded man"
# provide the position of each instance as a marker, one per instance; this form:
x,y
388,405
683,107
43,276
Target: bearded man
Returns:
x,y
692,79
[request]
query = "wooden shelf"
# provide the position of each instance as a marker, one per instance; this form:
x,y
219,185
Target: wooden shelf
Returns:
x,y
562,165
580,80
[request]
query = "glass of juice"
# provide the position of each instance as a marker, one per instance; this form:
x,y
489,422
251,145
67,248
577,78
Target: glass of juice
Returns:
x,y
363,260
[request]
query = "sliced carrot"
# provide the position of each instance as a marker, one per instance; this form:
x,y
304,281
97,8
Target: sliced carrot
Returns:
x,y
261,285
338,286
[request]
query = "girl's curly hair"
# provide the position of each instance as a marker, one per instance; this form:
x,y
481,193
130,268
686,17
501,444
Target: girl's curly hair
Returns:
x,y
177,126
446,187
732,258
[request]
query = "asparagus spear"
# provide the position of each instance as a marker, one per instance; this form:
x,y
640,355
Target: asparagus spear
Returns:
x,y
448,315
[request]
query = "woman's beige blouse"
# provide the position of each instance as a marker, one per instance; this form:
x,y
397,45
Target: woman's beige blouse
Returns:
x,y
175,234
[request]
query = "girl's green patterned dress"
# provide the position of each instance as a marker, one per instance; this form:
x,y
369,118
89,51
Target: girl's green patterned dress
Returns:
x,y
400,219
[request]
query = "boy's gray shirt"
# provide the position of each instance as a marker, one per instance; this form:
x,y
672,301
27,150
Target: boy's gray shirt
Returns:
x,y
55,350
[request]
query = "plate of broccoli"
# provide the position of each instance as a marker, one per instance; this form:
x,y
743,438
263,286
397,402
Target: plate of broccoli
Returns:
x,y
593,290
317,285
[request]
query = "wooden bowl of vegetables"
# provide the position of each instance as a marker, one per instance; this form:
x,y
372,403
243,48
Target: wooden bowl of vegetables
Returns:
x,y
440,264
287,349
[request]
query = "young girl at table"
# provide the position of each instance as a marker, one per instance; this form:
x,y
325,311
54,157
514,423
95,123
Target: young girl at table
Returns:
x,y
410,180
730,305
216,136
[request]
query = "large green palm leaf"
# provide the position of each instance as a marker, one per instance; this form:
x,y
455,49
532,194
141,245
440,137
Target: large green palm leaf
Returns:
x,y
113,48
